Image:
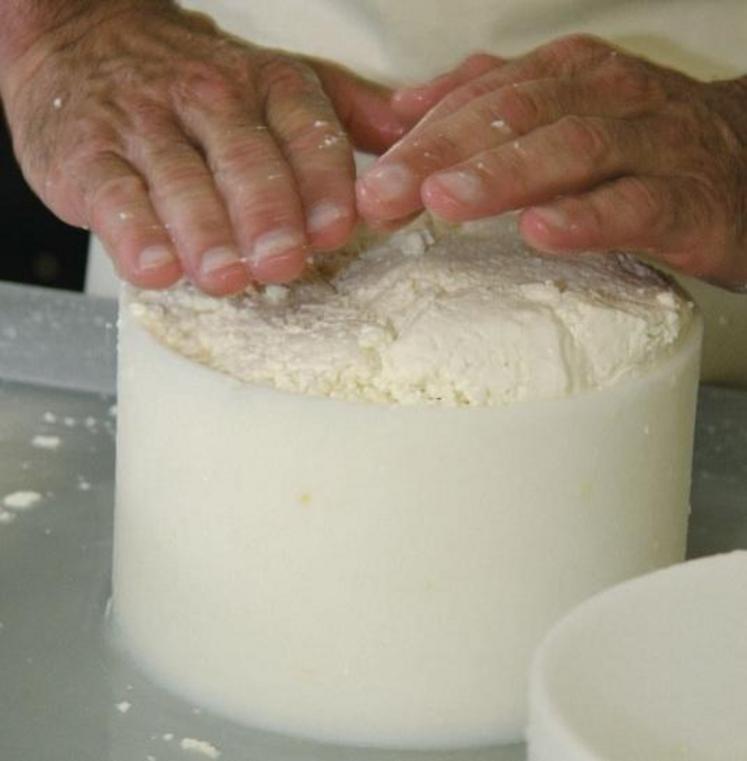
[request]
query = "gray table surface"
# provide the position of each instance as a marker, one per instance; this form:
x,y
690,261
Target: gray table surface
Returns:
x,y
65,692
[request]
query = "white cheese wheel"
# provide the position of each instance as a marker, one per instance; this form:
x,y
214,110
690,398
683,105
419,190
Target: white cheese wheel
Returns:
x,y
654,669
381,573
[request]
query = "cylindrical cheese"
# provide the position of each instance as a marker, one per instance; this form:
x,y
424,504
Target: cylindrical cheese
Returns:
x,y
379,574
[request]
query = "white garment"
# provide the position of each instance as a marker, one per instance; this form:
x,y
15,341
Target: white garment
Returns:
x,y
409,40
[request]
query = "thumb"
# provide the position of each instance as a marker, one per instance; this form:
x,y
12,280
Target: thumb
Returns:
x,y
363,107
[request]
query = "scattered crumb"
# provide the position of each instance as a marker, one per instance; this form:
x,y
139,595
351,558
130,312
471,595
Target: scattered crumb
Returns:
x,y
49,417
199,746
47,532
276,294
168,737
501,125
113,410
46,442
21,500
305,498
150,758
90,422
70,422
6,517
83,484
414,243
124,706
57,102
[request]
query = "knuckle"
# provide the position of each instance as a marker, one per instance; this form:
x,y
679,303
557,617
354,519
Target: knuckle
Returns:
x,y
311,136
586,139
114,193
593,215
209,86
518,107
240,150
91,134
465,94
284,77
575,48
440,147
678,128
89,149
478,62
149,118
641,203
178,178
630,79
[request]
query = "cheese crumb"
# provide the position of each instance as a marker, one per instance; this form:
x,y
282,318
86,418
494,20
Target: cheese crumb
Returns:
x,y
46,442
21,500
199,746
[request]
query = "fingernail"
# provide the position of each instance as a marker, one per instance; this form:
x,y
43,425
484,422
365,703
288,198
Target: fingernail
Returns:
x,y
462,185
323,215
155,257
279,269
218,259
274,244
550,217
390,181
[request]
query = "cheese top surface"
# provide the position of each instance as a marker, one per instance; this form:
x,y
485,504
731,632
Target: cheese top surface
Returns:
x,y
467,317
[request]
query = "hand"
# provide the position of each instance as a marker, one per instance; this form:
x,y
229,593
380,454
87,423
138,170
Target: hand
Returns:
x,y
188,151
602,150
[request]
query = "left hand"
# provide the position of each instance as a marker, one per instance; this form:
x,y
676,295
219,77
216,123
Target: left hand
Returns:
x,y
601,150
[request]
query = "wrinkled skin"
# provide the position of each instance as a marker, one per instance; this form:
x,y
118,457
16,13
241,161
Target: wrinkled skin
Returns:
x,y
185,150
601,150
191,152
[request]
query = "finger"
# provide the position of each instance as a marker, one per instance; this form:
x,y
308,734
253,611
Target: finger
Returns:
x,y
364,108
186,199
568,156
317,149
567,57
412,103
118,209
391,188
256,184
664,217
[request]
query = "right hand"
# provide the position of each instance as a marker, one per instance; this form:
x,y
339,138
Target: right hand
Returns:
x,y
188,151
